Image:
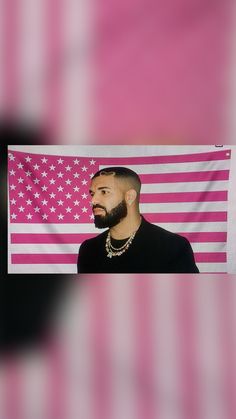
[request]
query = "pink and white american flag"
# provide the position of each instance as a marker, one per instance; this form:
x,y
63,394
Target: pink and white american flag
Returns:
x,y
50,213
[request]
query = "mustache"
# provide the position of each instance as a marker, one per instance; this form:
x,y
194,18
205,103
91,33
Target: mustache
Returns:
x,y
98,206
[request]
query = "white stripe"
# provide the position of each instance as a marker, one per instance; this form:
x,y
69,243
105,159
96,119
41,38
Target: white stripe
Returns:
x,y
89,228
194,227
73,248
212,267
31,63
177,167
75,72
122,345
42,269
72,269
33,379
175,207
54,228
116,150
185,187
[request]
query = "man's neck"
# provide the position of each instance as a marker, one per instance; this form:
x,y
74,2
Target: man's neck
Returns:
x,y
126,227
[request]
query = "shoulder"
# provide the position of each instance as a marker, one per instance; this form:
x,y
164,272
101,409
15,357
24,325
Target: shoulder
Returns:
x,y
160,233
94,242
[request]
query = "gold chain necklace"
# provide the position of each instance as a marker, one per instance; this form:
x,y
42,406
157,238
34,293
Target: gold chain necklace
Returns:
x,y
112,251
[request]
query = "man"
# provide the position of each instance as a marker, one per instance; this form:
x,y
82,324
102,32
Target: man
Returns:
x,y
131,244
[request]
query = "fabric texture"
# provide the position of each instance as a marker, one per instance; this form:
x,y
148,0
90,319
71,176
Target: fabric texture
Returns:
x,y
153,250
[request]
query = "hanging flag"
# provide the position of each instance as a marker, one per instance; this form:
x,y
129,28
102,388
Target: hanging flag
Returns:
x,y
50,212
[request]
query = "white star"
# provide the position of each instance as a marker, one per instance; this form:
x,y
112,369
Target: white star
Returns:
x,y
20,180
13,201
52,209
84,209
60,174
60,188
76,216
44,174
52,181
29,202
44,188
52,167
76,189
12,172
91,175
20,166
68,168
84,182
60,202
76,161
60,161
45,216
76,203
44,202
91,217
84,196
13,187
44,160
28,159
21,209
36,195
68,195
52,195
60,217
21,194
13,216
37,209
36,167
68,181
29,216
36,181
68,209
28,173
84,169
28,187
92,162
11,157
76,175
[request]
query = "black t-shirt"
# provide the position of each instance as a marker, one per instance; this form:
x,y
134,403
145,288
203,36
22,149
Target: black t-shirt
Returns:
x,y
153,250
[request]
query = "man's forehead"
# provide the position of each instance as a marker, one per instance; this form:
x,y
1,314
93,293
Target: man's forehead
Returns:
x,y
105,180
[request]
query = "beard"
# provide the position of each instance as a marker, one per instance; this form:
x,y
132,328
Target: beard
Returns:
x,y
112,218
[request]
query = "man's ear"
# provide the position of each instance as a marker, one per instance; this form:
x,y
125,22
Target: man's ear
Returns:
x,y
130,196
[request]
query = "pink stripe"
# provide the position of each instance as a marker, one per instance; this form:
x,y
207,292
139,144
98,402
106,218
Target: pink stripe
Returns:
x,y
185,177
185,158
186,217
216,257
12,403
10,20
50,238
211,237
184,197
226,311
38,258
50,258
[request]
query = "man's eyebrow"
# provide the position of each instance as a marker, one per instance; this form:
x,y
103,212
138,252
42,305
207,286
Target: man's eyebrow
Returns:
x,y
99,188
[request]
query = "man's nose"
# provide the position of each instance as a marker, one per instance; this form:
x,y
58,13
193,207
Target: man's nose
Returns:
x,y
94,200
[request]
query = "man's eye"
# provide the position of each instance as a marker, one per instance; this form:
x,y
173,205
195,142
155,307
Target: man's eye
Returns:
x,y
104,192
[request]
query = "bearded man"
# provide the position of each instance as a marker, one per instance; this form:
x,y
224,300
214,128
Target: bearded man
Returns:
x,y
130,244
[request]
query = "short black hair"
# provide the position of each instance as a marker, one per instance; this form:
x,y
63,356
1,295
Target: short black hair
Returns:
x,y
121,173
